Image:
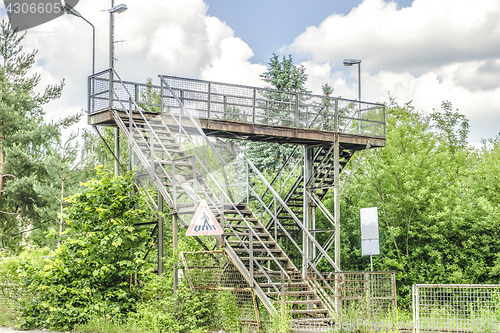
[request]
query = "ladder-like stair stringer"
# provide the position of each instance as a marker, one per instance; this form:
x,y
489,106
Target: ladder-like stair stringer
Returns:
x,y
253,250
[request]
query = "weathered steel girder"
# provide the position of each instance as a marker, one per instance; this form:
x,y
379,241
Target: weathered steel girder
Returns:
x,y
257,132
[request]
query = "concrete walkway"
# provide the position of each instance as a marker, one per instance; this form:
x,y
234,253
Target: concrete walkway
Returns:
x,y
8,330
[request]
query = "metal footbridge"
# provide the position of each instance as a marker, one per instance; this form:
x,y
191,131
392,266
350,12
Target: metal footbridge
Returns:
x,y
269,232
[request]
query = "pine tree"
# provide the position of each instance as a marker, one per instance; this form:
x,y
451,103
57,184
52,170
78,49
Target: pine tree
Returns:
x,y
25,139
285,80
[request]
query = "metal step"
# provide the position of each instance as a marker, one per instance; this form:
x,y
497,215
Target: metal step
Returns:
x,y
255,242
265,259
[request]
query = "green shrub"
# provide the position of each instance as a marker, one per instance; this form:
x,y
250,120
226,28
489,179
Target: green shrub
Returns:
x,y
92,274
7,317
196,310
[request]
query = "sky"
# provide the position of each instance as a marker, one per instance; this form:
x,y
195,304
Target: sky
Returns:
x,y
424,51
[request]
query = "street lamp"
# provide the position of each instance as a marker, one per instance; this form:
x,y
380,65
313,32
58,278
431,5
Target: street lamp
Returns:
x,y
350,62
114,9
118,9
71,11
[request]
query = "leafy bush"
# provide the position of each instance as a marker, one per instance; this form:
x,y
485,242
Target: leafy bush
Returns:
x,y
92,273
156,311
11,287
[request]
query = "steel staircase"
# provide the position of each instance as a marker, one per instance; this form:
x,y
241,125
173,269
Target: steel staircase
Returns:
x,y
174,156
318,185
270,264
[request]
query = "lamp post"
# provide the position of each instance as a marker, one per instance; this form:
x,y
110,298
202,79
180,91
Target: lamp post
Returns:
x,y
114,9
350,62
71,11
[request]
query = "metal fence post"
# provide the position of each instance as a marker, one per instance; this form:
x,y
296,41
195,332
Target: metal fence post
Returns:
x,y
297,110
336,116
282,292
416,309
253,105
250,254
195,182
209,99
247,184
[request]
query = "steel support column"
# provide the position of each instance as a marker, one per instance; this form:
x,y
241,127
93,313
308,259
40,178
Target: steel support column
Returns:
x,y
336,198
160,235
308,219
175,248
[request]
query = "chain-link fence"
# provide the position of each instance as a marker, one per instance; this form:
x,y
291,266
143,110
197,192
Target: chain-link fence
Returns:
x,y
214,271
322,299
10,295
456,308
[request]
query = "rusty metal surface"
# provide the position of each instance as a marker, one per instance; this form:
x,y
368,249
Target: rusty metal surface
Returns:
x,y
372,294
212,270
238,130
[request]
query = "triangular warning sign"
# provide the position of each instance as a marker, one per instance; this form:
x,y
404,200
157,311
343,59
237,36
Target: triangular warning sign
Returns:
x,y
204,222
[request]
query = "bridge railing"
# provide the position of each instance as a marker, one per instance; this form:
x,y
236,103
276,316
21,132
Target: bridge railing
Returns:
x,y
245,104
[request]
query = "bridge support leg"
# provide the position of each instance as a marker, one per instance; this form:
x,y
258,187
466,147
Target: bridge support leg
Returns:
x,y
336,204
160,235
337,200
174,246
308,215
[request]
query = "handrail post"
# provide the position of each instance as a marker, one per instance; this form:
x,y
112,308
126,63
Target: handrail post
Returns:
x,y
297,110
161,95
253,105
385,125
137,93
130,120
209,99
336,125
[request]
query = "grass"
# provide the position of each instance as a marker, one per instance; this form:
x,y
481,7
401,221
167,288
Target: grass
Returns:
x,y
8,317
107,325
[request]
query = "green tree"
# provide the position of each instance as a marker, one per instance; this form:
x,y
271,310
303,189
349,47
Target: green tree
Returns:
x,y
25,140
285,76
285,80
437,223
94,272
64,176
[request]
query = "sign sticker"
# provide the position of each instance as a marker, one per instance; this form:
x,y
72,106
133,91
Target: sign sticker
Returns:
x,y
204,222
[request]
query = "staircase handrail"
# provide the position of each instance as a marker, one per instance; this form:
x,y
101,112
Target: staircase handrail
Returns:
x,y
152,174
140,155
322,293
184,109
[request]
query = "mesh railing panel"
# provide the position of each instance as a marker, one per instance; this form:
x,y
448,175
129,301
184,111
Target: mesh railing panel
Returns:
x,y
372,294
456,308
212,270
250,105
10,295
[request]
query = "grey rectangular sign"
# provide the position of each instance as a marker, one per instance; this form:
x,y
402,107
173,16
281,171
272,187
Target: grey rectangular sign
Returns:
x,y
369,231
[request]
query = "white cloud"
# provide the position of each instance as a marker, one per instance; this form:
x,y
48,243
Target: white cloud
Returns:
x,y
233,64
171,37
426,35
428,53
